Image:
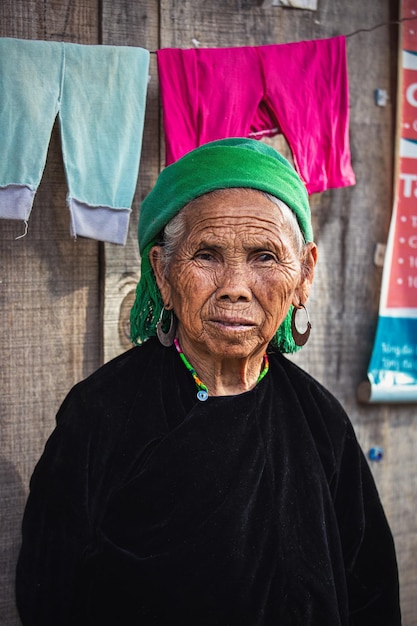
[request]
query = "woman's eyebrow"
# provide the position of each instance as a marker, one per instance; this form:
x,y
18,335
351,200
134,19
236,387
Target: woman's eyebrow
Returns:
x,y
261,244
213,244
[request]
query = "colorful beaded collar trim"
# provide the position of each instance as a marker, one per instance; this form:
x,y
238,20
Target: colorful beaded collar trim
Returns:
x,y
202,393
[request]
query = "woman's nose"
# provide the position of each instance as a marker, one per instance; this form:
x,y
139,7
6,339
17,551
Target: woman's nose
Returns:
x,y
233,285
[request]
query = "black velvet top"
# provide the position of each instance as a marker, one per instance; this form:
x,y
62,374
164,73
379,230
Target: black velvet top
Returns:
x,y
151,507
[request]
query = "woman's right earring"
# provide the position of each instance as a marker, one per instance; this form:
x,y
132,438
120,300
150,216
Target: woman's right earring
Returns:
x,y
300,339
166,338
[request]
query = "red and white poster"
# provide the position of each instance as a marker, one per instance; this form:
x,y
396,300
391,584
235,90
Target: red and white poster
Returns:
x,y
392,372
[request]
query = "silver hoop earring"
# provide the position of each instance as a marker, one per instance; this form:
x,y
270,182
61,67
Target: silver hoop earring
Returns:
x,y
166,338
300,339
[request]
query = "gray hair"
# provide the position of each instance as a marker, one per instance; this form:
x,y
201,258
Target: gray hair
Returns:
x,y
175,230
291,219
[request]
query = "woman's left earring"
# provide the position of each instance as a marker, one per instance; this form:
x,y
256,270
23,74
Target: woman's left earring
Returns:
x,y
166,338
300,339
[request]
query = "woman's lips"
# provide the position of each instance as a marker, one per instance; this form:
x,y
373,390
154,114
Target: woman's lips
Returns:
x,y
234,323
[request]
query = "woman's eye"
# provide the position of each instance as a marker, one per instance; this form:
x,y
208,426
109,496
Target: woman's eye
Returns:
x,y
204,256
265,257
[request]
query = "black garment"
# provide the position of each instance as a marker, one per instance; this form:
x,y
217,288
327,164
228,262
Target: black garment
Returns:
x,y
150,507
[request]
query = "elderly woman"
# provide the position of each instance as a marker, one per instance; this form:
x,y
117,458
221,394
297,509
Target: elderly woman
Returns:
x,y
202,478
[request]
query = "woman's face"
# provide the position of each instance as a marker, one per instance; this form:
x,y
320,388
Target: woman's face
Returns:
x,y
234,274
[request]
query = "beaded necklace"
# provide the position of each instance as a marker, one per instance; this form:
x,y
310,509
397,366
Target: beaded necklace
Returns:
x,y
202,393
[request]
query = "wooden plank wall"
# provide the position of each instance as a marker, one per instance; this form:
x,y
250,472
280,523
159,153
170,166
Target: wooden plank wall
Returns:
x,y
50,300
65,304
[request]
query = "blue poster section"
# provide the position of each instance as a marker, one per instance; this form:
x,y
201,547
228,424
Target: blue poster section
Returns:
x,y
393,368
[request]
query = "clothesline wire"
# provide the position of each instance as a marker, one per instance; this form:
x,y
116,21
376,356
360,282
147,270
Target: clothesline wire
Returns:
x,y
367,30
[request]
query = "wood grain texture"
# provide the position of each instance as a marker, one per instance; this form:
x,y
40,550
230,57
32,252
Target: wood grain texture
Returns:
x,y
49,294
128,24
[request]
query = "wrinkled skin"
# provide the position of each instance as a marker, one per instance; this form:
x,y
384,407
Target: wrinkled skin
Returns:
x,y
231,283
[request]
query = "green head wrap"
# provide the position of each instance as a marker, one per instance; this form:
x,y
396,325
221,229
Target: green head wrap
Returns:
x,y
222,164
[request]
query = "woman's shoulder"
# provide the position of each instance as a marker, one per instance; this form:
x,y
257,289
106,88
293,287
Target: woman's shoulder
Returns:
x,y
117,381
320,407
316,407
123,366
301,378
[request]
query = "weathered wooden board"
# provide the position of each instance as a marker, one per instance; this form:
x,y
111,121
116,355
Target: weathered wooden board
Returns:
x,y
49,293
128,24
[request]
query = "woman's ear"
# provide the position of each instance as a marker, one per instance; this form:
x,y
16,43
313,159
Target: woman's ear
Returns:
x,y
156,259
308,264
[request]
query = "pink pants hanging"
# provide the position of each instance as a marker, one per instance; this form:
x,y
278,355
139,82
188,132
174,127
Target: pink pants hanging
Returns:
x,y
297,89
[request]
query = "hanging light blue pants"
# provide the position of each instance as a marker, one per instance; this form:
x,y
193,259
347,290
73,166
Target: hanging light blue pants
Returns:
x,y
98,94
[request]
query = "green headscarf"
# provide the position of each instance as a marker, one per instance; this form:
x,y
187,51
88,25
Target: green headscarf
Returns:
x,y
223,164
